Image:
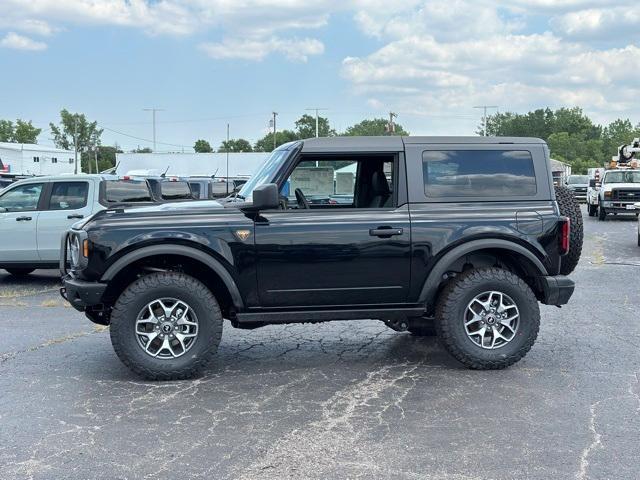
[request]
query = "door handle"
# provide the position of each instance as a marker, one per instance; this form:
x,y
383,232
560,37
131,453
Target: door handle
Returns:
x,y
77,215
25,219
385,232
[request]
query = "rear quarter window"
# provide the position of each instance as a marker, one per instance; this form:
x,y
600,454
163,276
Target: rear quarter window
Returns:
x,y
478,173
127,191
175,191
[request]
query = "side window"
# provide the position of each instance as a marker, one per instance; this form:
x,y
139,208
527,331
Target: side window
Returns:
x,y
68,195
24,198
328,182
478,173
342,182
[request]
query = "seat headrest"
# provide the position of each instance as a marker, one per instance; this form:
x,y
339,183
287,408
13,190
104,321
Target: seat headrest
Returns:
x,y
379,183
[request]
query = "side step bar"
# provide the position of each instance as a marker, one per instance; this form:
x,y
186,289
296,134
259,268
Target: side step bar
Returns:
x,y
301,316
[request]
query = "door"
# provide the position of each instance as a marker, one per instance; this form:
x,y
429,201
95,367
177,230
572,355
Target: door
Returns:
x,y
18,220
341,240
66,204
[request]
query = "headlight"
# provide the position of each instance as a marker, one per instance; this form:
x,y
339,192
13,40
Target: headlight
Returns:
x,y
74,250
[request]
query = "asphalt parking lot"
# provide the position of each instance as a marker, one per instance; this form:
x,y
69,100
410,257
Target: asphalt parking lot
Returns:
x,y
336,400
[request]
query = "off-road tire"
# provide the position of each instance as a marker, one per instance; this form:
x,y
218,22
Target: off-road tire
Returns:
x,y
19,272
593,210
453,302
569,207
157,285
602,214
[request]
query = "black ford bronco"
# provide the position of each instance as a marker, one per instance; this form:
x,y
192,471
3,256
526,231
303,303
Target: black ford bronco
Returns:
x,y
458,235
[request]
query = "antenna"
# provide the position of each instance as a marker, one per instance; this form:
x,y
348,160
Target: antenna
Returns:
x,y
165,172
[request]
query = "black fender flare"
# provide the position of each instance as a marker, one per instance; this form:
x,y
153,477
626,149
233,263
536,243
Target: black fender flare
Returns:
x,y
176,249
431,284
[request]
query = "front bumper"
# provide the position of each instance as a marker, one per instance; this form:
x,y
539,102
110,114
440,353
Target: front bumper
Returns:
x,y
619,207
82,294
556,290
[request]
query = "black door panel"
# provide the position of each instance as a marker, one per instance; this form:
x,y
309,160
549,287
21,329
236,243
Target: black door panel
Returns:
x,y
324,257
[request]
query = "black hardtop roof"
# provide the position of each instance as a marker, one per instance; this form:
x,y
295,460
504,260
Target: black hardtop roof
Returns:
x,y
397,143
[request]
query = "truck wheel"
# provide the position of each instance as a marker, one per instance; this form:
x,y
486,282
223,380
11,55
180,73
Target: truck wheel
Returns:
x,y
166,326
569,207
487,318
19,272
593,210
602,214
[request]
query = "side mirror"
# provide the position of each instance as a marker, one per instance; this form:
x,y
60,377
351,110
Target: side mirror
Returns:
x,y
265,197
592,182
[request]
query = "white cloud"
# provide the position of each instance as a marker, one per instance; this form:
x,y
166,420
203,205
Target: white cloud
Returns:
x,y
599,23
259,48
20,42
446,56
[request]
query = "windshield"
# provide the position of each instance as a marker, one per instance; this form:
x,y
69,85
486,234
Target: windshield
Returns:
x,y
578,180
622,176
264,173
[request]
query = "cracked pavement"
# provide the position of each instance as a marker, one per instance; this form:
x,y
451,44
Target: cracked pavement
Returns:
x,y
335,400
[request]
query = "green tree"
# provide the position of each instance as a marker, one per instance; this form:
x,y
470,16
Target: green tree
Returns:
x,y
106,159
306,127
617,133
265,144
25,132
6,131
20,132
202,146
75,131
376,126
236,145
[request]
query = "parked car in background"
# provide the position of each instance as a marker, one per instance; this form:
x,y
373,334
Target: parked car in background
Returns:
x,y
619,191
578,184
34,213
170,189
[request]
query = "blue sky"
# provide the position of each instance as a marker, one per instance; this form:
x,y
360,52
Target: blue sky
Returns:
x,y
209,62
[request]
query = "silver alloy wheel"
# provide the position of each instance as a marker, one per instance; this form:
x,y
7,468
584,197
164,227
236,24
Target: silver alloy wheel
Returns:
x,y
491,320
166,328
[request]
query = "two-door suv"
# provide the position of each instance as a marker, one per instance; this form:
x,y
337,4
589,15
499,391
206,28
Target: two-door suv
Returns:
x,y
463,234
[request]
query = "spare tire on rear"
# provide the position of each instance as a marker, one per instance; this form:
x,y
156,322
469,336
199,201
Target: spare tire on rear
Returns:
x,y
569,207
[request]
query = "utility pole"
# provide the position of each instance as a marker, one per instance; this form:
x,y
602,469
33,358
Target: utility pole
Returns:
x,y
484,116
153,111
392,127
275,114
95,152
227,149
317,118
75,144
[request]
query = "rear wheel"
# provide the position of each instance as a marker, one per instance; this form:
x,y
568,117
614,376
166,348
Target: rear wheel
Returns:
x,y
487,318
19,272
166,326
569,207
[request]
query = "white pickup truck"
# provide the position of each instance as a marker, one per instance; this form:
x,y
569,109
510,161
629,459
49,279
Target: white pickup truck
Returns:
x,y
34,213
619,191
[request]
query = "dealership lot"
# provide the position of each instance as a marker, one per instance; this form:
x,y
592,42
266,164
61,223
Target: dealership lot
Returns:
x,y
336,400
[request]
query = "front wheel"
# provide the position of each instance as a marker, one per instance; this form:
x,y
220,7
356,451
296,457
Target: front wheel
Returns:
x,y
166,326
602,214
487,318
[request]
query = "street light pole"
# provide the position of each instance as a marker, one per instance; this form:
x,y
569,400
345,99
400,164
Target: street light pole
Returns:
x,y
153,111
317,118
275,114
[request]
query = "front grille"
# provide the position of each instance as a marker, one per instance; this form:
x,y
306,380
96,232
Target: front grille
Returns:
x,y
626,195
580,190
